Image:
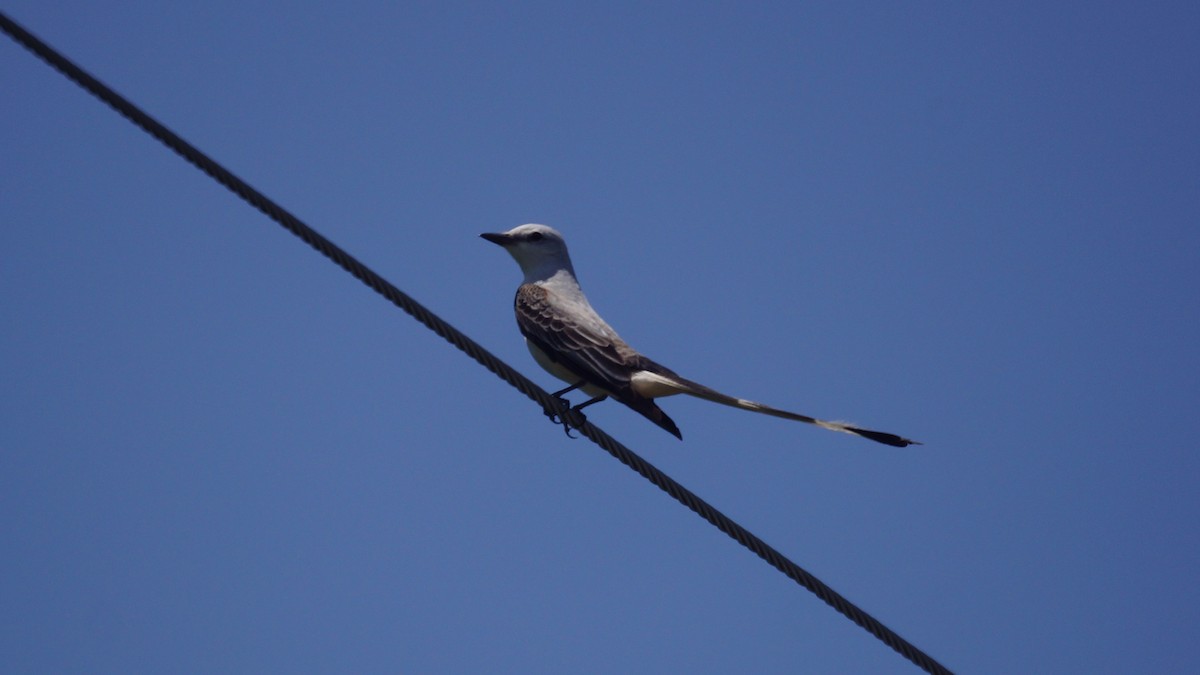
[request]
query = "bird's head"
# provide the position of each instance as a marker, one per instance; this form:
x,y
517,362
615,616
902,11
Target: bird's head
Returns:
x,y
539,249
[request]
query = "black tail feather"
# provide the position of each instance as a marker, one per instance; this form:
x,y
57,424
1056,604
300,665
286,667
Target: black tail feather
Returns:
x,y
648,409
882,437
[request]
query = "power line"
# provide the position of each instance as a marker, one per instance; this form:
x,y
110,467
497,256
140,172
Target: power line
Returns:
x,y
467,345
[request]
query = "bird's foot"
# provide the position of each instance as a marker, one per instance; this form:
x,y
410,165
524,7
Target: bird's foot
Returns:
x,y
560,416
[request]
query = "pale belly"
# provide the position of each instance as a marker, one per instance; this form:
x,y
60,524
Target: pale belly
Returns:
x,y
561,372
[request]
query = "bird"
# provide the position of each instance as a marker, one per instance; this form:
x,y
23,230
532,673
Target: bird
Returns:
x,y
569,339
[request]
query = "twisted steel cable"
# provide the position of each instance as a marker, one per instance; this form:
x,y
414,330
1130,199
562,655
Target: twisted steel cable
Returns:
x,y
473,349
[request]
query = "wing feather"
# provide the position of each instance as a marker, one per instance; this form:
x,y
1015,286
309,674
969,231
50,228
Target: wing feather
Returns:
x,y
600,359
593,352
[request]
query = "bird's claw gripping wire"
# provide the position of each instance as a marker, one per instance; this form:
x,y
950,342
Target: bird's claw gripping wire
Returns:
x,y
560,416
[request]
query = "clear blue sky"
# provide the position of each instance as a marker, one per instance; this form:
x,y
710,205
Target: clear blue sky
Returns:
x,y
972,224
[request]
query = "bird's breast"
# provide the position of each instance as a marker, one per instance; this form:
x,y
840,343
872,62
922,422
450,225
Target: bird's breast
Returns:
x,y
560,371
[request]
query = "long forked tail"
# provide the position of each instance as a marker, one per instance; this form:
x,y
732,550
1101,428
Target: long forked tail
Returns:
x,y
661,384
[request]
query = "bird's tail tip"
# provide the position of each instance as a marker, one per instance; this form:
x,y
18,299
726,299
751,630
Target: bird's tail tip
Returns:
x,y
883,437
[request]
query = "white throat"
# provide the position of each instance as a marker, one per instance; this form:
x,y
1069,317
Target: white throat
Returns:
x,y
546,270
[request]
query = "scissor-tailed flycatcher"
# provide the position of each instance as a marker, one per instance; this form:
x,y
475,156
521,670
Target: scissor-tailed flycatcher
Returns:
x,y
570,340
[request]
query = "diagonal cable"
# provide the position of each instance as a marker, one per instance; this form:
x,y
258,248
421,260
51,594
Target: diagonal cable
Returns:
x,y
467,345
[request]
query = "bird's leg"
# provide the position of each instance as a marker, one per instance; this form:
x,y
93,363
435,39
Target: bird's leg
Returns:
x,y
559,394
585,404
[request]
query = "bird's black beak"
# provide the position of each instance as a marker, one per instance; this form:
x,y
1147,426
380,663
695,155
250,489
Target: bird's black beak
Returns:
x,y
501,239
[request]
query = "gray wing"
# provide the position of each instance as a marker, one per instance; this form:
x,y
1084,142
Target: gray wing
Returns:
x,y
600,359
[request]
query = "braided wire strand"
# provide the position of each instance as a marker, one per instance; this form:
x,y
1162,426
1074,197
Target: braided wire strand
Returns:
x,y
469,346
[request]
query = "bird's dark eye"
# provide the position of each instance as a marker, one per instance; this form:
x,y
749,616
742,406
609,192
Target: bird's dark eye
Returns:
x,y
535,236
